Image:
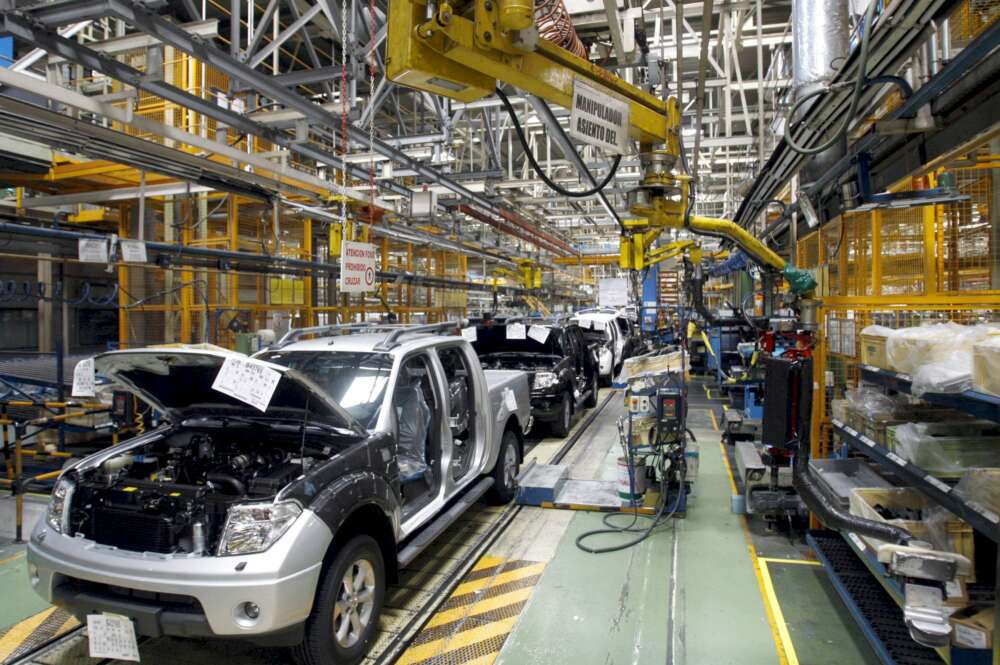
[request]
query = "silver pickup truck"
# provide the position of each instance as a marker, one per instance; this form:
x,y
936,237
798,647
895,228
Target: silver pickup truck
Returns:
x,y
283,525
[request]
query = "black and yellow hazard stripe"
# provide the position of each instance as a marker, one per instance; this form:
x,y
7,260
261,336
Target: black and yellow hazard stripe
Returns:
x,y
34,631
473,624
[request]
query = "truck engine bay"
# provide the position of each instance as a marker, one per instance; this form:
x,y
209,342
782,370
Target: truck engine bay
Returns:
x,y
172,495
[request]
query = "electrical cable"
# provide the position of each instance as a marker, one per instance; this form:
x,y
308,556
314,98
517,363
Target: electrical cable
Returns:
x,y
860,83
538,169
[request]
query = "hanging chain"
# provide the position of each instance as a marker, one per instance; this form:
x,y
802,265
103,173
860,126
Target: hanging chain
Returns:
x,y
344,144
371,116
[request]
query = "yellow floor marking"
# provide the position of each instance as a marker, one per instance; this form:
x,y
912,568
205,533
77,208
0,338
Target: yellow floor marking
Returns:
x,y
715,423
415,654
484,605
502,578
786,652
488,562
11,558
729,470
772,599
800,562
70,624
16,636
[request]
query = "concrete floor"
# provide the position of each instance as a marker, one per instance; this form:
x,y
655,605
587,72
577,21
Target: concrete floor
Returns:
x,y
705,589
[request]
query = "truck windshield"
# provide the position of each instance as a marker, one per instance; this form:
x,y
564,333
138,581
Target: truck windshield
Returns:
x,y
355,380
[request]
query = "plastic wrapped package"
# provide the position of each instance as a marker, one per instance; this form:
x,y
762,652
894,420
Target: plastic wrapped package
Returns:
x,y
945,456
938,357
948,533
651,365
986,365
981,486
870,402
879,331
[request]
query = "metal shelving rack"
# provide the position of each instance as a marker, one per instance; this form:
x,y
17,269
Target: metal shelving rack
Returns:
x,y
981,518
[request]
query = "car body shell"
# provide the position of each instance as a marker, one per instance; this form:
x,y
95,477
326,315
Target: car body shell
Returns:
x,y
282,580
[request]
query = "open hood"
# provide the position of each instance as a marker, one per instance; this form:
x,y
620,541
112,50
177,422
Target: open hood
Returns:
x,y
177,381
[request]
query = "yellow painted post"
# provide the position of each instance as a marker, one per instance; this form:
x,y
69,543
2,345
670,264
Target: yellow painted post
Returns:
x,y
233,231
930,244
876,252
842,256
307,282
187,276
19,196
123,285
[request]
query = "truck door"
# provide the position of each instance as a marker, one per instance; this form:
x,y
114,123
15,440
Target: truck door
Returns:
x,y
462,396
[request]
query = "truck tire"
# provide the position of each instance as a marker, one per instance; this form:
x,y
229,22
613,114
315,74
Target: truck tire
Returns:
x,y
593,387
346,611
505,470
561,425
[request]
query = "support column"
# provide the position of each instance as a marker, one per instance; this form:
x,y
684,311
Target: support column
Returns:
x,y
995,219
307,281
930,217
123,313
876,255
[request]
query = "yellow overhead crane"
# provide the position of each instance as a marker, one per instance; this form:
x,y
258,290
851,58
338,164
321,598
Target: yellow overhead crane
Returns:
x,y
462,49
655,255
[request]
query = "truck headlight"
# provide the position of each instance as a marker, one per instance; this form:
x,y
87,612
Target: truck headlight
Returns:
x,y
60,505
545,380
254,527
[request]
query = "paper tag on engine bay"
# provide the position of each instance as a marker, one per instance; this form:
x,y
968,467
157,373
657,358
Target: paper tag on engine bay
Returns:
x,y
112,636
248,381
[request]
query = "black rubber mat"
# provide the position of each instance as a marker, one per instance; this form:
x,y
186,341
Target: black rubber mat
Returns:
x,y
884,616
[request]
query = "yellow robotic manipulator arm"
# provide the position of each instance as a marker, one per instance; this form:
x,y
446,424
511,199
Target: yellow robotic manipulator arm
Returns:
x,y
462,49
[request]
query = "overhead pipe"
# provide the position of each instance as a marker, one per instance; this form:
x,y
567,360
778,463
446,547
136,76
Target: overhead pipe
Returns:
x,y
233,259
520,230
820,43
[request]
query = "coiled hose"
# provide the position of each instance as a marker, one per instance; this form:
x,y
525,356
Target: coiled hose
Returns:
x,y
555,25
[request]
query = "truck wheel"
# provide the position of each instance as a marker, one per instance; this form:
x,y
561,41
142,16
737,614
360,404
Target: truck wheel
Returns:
x,y
595,381
561,425
505,471
347,608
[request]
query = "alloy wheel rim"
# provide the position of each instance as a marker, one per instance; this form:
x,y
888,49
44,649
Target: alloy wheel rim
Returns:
x,y
355,604
509,466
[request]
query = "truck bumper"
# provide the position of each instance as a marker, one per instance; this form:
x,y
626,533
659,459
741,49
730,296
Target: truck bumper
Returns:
x,y
186,595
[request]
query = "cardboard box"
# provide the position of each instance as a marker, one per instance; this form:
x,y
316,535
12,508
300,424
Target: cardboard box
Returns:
x,y
973,628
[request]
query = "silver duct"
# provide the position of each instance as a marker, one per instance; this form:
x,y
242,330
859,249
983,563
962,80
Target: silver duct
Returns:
x,y
820,41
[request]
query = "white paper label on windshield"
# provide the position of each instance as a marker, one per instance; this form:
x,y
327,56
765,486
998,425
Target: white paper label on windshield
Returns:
x,y
599,119
133,251
112,636
516,331
83,379
92,250
538,333
247,380
469,334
